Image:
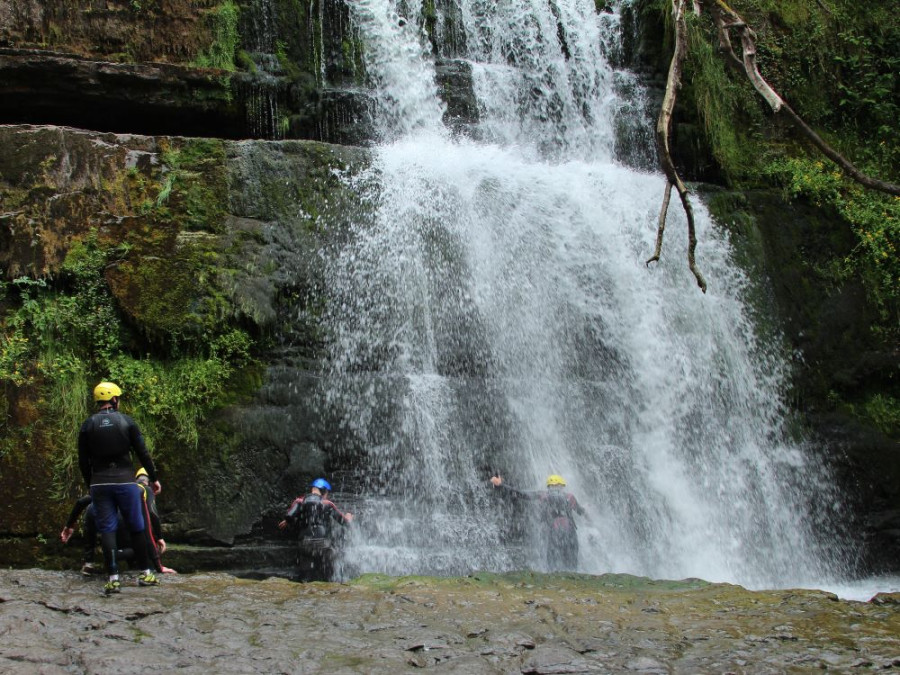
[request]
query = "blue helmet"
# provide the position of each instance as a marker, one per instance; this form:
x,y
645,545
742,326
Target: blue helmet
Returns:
x,y
322,484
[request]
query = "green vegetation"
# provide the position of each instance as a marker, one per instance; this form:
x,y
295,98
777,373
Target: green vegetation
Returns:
x,y
226,39
728,110
883,411
196,183
62,338
874,218
142,307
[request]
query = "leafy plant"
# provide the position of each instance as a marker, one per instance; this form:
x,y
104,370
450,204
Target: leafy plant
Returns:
x,y
874,217
59,338
221,53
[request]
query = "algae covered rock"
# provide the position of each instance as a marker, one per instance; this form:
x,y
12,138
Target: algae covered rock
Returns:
x,y
166,264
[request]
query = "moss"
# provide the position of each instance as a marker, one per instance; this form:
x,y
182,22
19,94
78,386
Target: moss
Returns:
x,y
728,112
243,61
882,411
223,21
527,580
196,187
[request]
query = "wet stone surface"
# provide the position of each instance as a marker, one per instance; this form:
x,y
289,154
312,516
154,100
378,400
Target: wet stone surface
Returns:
x,y
59,622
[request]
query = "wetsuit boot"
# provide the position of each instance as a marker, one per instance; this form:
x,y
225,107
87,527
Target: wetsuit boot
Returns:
x,y
142,561
108,542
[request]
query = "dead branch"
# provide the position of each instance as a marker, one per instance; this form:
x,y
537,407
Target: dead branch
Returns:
x,y
725,19
661,228
663,124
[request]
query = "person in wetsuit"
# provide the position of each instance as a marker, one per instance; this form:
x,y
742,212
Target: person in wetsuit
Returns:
x,y
156,545
557,509
89,529
314,514
105,443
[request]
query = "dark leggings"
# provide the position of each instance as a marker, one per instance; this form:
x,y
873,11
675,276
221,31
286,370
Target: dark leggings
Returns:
x,y
110,557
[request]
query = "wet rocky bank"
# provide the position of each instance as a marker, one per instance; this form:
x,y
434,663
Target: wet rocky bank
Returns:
x,y
58,622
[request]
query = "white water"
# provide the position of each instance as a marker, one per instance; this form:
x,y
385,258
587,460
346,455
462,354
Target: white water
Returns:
x,y
494,313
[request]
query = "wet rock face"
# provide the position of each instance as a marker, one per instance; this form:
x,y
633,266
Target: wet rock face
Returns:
x,y
836,355
275,69
56,622
47,88
237,236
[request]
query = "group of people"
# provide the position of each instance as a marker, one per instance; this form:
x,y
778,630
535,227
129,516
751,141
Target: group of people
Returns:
x,y
121,506
156,545
106,441
314,514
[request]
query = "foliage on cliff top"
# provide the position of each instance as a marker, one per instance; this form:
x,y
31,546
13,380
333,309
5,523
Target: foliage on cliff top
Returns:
x,y
223,22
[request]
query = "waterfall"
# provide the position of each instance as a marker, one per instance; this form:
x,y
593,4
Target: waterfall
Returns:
x,y
491,312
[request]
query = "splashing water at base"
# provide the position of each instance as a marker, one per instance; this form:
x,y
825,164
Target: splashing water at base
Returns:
x,y
494,313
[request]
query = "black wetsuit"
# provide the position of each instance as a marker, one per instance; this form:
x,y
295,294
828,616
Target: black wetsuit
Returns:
x,y
314,515
557,509
105,443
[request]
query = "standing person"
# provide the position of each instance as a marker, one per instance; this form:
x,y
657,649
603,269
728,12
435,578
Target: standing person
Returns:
x,y
314,513
105,443
557,513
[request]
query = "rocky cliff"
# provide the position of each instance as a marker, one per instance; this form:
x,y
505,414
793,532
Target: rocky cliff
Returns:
x,y
158,242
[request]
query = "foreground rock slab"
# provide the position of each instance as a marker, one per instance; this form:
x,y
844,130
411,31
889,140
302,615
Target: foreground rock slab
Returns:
x,y
59,622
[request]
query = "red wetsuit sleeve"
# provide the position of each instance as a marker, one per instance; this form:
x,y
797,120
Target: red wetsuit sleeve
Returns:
x,y
334,511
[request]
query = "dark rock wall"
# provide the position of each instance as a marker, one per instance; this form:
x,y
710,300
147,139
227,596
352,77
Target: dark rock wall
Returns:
x,y
238,246
837,356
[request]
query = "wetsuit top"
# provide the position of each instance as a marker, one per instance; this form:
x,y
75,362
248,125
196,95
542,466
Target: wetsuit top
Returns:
x,y
314,513
105,443
556,505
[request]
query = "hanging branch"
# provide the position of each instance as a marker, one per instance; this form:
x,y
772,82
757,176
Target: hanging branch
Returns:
x,y
726,18
663,124
663,211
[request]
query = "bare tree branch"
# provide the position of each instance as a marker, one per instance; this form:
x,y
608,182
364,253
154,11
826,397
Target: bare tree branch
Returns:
x,y
664,122
725,19
661,228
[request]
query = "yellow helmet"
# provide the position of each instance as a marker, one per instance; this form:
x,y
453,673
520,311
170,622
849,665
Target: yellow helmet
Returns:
x,y
141,472
105,391
554,480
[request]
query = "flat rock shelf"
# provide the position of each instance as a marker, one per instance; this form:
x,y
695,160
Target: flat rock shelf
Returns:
x,y
59,622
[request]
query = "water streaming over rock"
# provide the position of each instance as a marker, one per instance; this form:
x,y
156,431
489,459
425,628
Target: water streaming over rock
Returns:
x,y
493,312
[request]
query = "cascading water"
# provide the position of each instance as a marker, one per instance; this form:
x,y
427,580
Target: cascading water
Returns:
x,y
493,312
